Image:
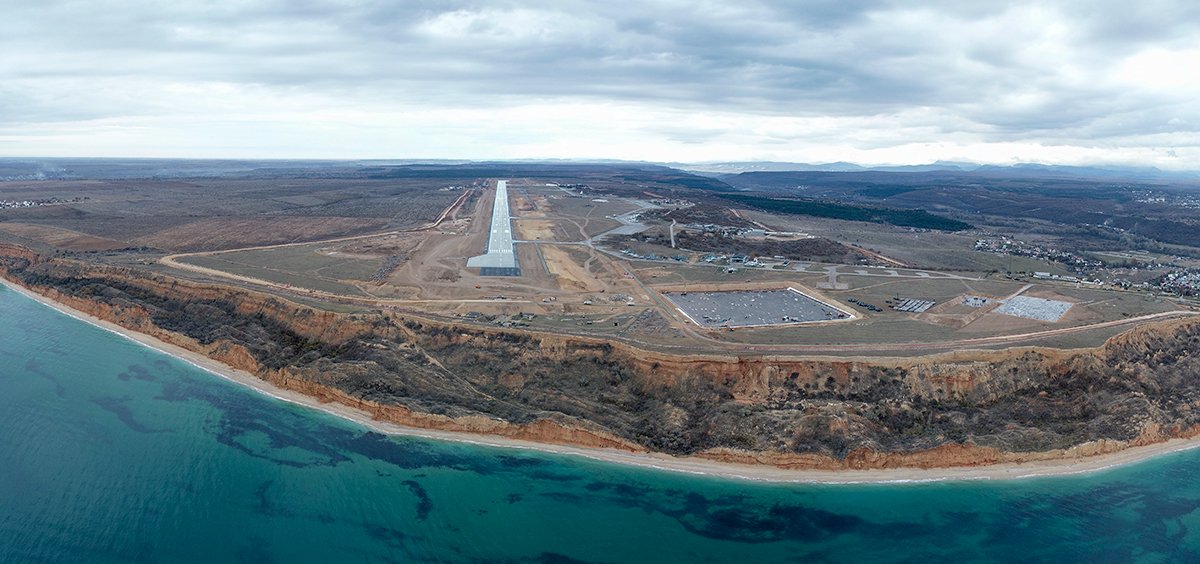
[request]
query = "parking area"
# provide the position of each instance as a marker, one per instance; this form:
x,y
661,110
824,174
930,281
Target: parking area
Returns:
x,y
753,308
914,306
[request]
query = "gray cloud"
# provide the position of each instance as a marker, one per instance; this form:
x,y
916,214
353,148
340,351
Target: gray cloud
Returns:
x,y
1000,71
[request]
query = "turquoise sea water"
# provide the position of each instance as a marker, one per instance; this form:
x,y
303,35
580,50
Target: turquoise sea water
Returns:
x,y
112,452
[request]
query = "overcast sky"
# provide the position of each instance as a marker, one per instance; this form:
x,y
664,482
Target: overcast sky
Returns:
x,y
1072,82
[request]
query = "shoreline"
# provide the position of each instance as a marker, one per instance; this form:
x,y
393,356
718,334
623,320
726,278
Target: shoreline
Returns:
x,y
648,460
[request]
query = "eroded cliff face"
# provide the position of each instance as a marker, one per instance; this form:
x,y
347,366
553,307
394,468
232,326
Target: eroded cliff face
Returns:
x,y
961,409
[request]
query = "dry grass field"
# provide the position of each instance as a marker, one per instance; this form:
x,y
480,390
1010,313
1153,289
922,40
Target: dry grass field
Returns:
x,y
211,214
59,238
287,277
920,249
371,241
219,233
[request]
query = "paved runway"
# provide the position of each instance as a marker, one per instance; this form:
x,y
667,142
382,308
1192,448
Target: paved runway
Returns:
x,y
501,257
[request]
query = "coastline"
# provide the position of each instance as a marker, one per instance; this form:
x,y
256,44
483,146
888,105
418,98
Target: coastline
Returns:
x,y
658,461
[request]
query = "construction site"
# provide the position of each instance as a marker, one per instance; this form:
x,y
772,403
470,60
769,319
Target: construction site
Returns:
x,y
540,256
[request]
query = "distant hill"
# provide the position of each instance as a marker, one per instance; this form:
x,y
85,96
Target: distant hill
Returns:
x,y
1023,170
900,217
1156,208
633,175
30,168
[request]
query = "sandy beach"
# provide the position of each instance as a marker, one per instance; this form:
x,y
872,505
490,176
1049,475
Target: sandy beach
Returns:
x,y
689,465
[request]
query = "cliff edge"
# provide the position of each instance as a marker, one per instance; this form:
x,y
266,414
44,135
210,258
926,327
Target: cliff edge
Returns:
x,y
963,409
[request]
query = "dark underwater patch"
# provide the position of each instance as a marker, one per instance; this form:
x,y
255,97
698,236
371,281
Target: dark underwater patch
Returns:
x,y
424,504
556,558
512,461
254,551
239,432
244,415
411,454
263,504
565,497
548,476
136,372
737,518
33,367
392,537
118,407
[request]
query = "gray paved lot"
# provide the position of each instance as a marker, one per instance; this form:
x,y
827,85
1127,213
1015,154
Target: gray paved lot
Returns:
x,y
751,308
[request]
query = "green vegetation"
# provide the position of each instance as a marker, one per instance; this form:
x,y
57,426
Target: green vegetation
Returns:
x,y
816,249
1126,214
904,218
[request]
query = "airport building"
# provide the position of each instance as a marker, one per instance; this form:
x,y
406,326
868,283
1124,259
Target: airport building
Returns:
x,y
501,256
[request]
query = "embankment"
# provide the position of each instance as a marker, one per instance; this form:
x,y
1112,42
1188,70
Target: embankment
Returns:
x,y
965,409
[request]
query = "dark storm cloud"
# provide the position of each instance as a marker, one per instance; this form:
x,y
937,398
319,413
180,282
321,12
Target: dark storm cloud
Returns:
x,y
1003,70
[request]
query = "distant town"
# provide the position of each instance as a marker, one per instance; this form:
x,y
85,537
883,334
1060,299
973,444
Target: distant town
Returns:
x,y
1167,277
9,204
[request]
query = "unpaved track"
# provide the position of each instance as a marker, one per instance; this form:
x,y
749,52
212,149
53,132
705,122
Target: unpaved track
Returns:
x,y
702,338
716,345
959,344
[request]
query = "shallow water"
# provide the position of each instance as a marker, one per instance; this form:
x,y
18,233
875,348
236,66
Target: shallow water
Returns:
x,y
112,452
